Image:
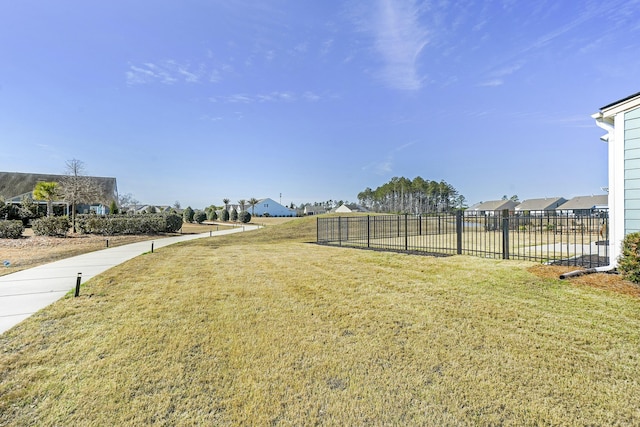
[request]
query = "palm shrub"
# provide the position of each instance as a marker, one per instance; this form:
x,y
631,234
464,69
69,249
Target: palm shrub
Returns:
x,y
11,229
56,226
244,217
629,261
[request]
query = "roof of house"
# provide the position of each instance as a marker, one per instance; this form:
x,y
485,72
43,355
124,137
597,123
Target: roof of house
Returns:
x,y
620,101
585,202
547,203
15,183
496,205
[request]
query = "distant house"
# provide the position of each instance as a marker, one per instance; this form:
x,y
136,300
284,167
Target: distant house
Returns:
x,y
540,206
15,185
583,205
350,208
269,207
491,208
314,210
621,121
151,208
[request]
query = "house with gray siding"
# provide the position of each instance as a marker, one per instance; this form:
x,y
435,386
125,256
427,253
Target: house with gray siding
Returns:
x,y
540,206
491,208
583,205
621,121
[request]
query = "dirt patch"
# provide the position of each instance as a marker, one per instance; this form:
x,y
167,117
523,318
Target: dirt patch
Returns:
x,y
609,281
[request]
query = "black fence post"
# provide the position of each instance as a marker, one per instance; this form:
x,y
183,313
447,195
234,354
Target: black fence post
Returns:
x,y
78,279
340,231
406,231
505,234
459,232
368,231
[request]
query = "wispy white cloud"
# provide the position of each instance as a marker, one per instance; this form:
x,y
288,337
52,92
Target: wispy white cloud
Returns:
x,y
398,39
270,97
326,47
497,77
385,165
492,83
167,72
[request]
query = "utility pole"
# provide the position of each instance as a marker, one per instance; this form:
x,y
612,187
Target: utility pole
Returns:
x,y
280,198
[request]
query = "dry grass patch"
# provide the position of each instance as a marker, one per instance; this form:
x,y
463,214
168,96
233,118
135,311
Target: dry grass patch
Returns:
x,y
270,330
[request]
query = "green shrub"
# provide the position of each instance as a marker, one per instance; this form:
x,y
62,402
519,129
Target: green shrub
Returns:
x,y
225,215
173,222
56,226
11,229
199,216
187,214
244,217
234,215
629,261
137,224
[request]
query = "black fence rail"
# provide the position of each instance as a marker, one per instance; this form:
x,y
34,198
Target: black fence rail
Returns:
x,y
537,236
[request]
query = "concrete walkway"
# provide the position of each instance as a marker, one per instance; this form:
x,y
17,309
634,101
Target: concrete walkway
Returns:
x,y
25,292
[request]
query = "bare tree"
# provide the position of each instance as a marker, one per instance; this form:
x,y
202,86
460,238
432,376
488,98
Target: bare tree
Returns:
x,y
77,188
126,201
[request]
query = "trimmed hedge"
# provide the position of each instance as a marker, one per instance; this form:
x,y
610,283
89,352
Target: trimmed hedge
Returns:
x,y
11,229
55,226
137,224
244,217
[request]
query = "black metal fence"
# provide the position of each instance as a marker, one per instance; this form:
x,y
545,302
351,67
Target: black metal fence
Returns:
x,y
563,239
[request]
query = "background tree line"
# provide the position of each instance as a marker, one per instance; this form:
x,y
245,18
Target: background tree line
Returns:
x,y
402,195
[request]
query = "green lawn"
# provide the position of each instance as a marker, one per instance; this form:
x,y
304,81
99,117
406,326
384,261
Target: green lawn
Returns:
x,y
263,328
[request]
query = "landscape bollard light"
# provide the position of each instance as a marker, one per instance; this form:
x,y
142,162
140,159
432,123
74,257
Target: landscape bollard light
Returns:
x,y
210,233
78,279
151,247
107,242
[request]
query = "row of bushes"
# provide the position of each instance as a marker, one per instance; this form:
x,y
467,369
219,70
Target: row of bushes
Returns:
x,y
58,226
137,224
11,229
48,226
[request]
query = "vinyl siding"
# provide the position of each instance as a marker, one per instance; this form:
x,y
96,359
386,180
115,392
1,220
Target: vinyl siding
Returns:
x,y
632,171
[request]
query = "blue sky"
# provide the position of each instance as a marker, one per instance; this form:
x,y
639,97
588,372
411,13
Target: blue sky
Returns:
x,y
198,100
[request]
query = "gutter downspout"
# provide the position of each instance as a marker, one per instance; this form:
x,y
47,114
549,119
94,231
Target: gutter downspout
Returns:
x,y
609,128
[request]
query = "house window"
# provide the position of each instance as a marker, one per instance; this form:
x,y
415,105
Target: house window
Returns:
x,y
266,205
